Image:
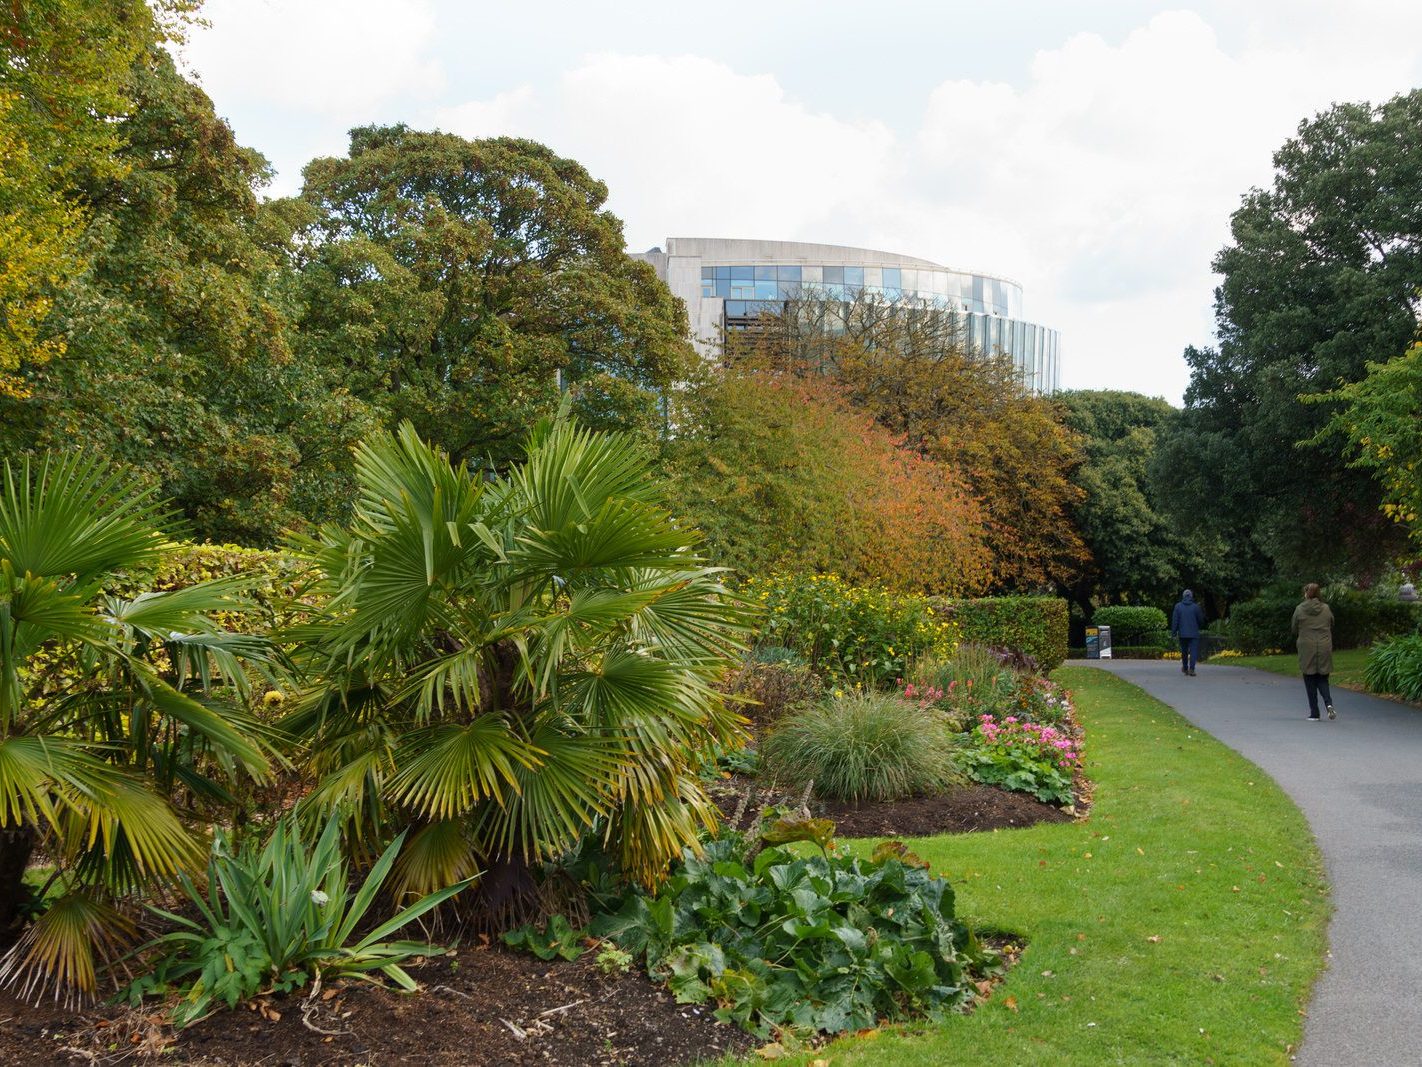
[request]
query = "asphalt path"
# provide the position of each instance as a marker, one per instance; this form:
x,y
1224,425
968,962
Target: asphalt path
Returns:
x,y
1358,780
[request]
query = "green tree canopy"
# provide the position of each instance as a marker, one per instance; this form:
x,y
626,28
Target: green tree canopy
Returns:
x,y
458,283
179,359
1321,276
64,81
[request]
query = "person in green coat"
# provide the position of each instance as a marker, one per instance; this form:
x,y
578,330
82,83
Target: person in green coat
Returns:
x,y
1312,624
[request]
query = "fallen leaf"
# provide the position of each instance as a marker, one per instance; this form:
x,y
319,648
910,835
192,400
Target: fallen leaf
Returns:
x,y
773,1051
1010,1003
1140,852
1234,889
1154,939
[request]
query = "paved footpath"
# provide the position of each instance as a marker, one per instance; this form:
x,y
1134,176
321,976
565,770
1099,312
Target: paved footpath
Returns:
x,y
1359,782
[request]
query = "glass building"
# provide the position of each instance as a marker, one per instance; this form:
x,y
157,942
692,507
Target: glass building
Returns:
x,y
727,284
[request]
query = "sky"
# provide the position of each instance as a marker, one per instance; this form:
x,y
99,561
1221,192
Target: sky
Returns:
x,y
1091,150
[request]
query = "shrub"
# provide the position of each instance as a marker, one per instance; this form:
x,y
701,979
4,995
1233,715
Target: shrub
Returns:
x,y
1033,625
863,746
1262,624
1361,618
1025,757
866,633
1395,666
272,918
766,692
1130,624
828,942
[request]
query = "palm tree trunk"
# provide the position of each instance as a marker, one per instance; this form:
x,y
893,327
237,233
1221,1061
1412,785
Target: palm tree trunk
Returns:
x,y
16,844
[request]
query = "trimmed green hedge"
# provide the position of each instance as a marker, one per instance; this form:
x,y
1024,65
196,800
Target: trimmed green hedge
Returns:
x,y
1130,624
1034,625
1359,619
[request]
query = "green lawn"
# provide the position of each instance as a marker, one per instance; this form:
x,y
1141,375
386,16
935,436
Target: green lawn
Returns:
x,y
1347,665
1184,921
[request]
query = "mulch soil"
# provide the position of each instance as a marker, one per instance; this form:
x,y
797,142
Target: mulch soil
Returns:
x,y
484,1005
961,810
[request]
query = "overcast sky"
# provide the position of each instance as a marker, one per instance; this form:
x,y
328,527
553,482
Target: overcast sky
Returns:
x,y
1092,150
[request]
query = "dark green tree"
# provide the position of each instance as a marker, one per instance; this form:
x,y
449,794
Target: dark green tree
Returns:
x,y
1321,277
178,353
1136,557
458,284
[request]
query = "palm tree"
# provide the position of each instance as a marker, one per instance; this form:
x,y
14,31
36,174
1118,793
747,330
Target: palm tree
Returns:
x,y
507,666
110,709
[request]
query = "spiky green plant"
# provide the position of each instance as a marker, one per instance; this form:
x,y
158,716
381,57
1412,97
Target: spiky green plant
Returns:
x,y
507,666
108,707
276,915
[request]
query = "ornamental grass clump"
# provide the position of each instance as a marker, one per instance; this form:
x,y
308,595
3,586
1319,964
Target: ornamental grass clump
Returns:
x,y
863,747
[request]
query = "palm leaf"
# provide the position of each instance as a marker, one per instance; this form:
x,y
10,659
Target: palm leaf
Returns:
x,y
446,771
63,950
74,515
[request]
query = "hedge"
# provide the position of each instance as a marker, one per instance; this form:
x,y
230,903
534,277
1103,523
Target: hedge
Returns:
x,y
1129,624
1359,619
1033,625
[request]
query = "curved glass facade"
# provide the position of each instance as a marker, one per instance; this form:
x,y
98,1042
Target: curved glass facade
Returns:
x,y
727,284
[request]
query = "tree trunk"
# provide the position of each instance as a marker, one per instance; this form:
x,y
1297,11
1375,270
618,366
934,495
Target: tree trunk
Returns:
x,y
16,844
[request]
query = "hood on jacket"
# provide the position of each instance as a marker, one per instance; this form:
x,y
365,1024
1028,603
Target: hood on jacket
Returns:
x,y
1313,606
1188,596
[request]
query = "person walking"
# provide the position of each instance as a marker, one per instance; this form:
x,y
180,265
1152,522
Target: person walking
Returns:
x,y
1312,625
1186,622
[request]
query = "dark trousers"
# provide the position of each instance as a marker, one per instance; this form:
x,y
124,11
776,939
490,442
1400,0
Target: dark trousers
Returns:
x,y
1189,652
1316,684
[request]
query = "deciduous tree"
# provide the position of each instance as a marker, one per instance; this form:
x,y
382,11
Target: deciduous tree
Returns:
x,y
1322,276
458,284
781,472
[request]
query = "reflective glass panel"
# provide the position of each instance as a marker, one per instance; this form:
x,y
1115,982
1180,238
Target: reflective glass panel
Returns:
x,y
789,274
853,275
766,290
833,290
723,272
812,275
910,279
874,276
743,274
708,274
893,278
834,274
735,309
765,274
723,287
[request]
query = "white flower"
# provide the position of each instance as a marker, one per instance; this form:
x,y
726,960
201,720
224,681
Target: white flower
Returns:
x,y
319,898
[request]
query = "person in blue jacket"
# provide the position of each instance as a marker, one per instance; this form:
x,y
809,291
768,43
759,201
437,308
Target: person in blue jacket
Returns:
x,y
1186,622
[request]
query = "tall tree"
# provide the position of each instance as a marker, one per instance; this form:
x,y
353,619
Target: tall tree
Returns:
x,y
178,357
1381,422
778,470
905,364
64,81
458,284
1322,276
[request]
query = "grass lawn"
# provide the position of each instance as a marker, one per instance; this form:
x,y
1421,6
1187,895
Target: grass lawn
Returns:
x,y
1347,665
1183,922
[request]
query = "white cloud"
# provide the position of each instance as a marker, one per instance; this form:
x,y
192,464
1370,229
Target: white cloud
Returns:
x,y
1102,177
689,146
333,57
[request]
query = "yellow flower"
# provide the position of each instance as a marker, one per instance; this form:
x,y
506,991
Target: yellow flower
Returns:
x,y
273,697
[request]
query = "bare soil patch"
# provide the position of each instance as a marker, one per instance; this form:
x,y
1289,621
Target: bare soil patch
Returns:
x,y
968,808
484,1006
